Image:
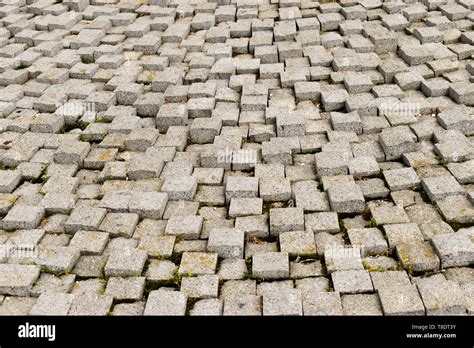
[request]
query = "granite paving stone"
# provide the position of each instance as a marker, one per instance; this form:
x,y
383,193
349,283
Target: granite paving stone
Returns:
x,y
209,157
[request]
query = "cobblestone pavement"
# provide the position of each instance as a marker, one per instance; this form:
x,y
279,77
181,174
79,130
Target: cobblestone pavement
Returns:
x,y
236,157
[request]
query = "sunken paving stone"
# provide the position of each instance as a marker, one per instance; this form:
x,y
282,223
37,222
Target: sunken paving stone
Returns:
x,y
384,279
351,282
361,304
192,148
207,307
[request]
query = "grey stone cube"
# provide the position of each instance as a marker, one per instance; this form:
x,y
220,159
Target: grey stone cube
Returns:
x,y
9,179
272,265
23,217
17,280
227,242
352,282
283,303
123,263
401,300
162,302
187,227
285,220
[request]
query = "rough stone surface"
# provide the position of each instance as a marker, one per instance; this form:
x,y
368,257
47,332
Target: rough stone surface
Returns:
x,y
236,157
